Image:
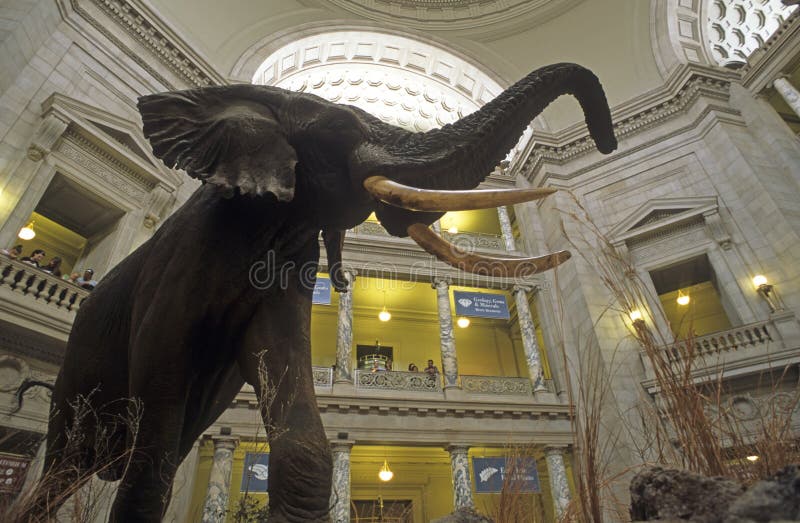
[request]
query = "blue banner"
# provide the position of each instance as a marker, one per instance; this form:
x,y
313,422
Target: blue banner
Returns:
x,y
481,305
256,472
490,474
322,291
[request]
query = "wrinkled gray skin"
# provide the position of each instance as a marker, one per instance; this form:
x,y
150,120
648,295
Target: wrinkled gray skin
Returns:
x,y
178,325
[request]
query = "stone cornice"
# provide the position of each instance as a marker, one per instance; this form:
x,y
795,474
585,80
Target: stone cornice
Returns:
x,y
135,19
673,99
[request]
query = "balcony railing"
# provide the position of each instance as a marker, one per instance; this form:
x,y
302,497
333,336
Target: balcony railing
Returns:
x,y
466,240
323,377
717,343
25,279
398,380
500,385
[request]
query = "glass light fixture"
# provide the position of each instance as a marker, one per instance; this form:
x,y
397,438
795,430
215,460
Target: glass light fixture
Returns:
x,y
384,315
752,458
683,299
27,232
759,280
462,322
453,230
635,315
385,474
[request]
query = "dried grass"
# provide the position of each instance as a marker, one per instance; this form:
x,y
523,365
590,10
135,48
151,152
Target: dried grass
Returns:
x,y
687,425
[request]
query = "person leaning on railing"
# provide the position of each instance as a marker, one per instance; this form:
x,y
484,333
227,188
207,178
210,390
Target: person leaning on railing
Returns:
x,y
14,252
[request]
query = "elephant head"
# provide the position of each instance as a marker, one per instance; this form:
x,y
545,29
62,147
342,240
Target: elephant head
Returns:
x,y
343,164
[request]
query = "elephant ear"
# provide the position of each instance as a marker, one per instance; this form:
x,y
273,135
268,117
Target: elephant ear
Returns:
x,y
222,136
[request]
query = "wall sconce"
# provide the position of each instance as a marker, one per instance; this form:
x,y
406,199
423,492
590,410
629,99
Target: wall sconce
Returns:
x,y
463,322
635,315
768,292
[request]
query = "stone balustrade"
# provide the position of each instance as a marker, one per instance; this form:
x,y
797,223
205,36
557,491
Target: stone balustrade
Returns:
x,y
398,380
323,377
752,335
501,385
28,280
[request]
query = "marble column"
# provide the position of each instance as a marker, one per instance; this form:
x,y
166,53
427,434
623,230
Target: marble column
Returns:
x,y
559,486
788,92
437,227
344,333
462,484
528,332
447,340
219,482
340,493
505,227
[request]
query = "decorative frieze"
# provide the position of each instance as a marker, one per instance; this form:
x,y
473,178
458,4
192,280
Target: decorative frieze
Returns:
x,y
697,82
398,380
497,385
164,46
104,167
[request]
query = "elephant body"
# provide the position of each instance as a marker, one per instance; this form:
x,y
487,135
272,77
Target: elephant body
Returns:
x,y
226,282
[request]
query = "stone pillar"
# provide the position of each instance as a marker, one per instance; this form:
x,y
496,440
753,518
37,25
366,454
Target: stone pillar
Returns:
x,y
183,487
505,227
340,493
437,227
528,332
219,482
559,486
462,484
788,92
344,333
448,342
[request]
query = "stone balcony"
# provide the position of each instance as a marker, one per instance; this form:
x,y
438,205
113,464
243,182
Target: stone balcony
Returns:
x,y
413,408
37,306
749,349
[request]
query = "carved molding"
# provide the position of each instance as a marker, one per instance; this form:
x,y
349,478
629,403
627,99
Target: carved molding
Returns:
x,y
452,15
135,19
103,167
670,102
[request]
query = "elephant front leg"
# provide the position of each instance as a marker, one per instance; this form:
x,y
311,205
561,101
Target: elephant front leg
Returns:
x,y
276,361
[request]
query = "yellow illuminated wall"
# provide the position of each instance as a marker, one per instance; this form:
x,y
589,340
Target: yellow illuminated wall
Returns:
x,y
55,240
486,347
703,314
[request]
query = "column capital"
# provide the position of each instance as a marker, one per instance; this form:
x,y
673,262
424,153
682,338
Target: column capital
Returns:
x,y
555,450
457,448
440,282
524,287
341,445
225,442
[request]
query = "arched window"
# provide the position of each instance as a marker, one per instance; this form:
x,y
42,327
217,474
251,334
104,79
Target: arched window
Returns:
x,y
736,28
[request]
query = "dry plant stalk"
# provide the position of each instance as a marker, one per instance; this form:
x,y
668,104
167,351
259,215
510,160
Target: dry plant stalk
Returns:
x,y
514,502
56,488
679,426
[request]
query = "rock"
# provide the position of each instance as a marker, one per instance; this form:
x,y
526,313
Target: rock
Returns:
x,y
658,494
464,515
772,499
673,496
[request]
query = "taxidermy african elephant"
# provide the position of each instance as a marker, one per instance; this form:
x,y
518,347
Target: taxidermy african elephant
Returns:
x,y
178,324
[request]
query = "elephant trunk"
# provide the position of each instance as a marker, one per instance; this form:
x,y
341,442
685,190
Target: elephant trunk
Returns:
x,y
461,155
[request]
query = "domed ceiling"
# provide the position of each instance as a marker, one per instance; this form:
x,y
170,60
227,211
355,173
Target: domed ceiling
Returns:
x,y
455,14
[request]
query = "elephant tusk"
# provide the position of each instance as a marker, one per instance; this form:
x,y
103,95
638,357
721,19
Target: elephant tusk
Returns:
x,y
417,199
487,266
